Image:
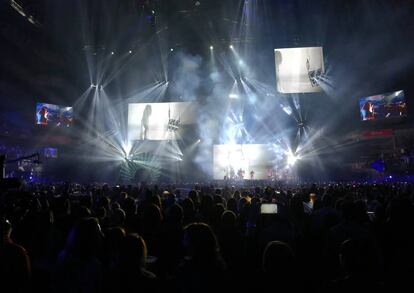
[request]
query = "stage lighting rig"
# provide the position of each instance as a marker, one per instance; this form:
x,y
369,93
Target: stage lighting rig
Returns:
x,y
173,125
148,8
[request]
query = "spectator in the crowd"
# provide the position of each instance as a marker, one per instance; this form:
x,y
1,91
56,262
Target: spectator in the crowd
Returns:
x,y
131,274
79,268
280,268
15,267
359,263
171,249
203,269
231,241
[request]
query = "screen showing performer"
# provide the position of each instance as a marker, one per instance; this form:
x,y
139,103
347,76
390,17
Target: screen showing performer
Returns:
x,y
53,115
383,106
299,69
159,121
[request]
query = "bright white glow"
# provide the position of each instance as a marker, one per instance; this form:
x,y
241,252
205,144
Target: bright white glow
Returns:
x,y
241,62
211,47
231,46
112,53
171,49
130,52
127,147
199,140
233,96
291,158
157,117
230,158
298,69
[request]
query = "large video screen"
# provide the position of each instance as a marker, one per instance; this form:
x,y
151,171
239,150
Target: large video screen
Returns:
x,y
242,161
159,121
298,69
384,106
53,115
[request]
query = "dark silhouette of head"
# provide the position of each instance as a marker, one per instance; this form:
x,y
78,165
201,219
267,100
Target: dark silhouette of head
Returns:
x,y
118,218
228,220
278,259
175,215
358,257
232,205
133,252
200,242
84,239
151,219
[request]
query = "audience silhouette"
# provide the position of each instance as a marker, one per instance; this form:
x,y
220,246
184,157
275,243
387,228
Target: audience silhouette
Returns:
x,y
323,238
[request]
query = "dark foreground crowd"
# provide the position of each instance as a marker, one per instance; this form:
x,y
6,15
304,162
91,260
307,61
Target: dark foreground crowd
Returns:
x,y
96,238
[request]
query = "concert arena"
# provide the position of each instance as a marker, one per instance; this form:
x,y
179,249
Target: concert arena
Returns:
x,y
177,145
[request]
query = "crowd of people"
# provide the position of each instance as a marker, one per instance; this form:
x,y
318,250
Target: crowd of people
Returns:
x,y
207,238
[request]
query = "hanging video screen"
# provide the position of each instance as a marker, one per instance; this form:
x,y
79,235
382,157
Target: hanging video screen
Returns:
x,y
159,121
242,161
53,115
383,106
298,69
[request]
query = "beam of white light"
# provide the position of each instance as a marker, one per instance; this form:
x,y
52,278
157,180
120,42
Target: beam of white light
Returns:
x,y
291,158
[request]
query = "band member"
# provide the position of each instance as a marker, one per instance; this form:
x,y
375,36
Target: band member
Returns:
x,y
240,173
270,174
42,116
232,173
145,122
367,111
251,175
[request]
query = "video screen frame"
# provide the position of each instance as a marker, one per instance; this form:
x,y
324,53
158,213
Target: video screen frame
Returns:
x,y
53,115
299,69
159,121
385,106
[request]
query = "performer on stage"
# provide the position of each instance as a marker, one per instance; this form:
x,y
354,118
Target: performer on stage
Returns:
x,y
42,116
251,175
232,173
145,122
240,173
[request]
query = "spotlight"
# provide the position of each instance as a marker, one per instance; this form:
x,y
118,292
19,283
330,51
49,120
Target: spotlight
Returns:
x,y
171,49
233,96
199,140
231,46
112,53
130,52
241,62
211,47
291,158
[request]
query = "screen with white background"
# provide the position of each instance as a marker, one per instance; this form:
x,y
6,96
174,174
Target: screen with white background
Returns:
x,y
159,121
297,69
